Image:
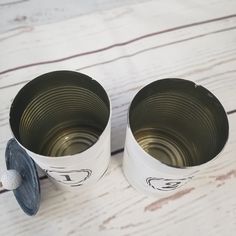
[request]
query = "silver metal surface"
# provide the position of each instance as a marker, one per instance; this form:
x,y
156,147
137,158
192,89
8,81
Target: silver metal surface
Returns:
x,y
178,123
60,113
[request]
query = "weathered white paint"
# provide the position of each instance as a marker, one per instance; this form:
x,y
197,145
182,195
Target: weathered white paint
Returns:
x,y
124,69
18,13
206,205
203,52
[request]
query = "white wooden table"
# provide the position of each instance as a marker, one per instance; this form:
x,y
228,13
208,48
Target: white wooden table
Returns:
x,y
124,45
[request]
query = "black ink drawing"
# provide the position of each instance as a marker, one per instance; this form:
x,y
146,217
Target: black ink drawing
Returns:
x,y
166,184
73,178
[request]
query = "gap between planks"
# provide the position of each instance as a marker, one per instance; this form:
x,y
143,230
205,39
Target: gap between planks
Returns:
x,y
119,44
112,154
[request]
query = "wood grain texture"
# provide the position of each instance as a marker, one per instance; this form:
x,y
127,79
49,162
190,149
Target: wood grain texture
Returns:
x,y
18,13
204,206
151,49
124,45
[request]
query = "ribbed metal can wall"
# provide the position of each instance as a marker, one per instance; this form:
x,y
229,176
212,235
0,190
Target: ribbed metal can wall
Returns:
x,y
63,121
175,128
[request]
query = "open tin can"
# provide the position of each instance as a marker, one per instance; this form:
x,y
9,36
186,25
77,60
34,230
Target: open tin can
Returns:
x,y
62,120
175,128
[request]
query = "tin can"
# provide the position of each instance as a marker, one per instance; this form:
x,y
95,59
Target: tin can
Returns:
x,y
62,119
175,129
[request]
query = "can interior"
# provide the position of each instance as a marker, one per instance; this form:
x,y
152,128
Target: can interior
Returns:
x,y
178,123
60,113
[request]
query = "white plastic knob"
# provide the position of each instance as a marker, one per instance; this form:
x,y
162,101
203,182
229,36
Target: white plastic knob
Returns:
x,y
11,179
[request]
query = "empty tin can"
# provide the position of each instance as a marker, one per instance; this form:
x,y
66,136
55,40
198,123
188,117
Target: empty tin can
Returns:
x,y
175,128
62,120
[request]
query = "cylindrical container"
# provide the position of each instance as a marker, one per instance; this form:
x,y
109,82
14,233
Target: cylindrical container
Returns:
x,y
62,119
175,128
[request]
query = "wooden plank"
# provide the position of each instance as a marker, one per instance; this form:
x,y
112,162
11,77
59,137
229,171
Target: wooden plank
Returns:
x,y
135,49
204,206
101,30
124,48
20,13
207,66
